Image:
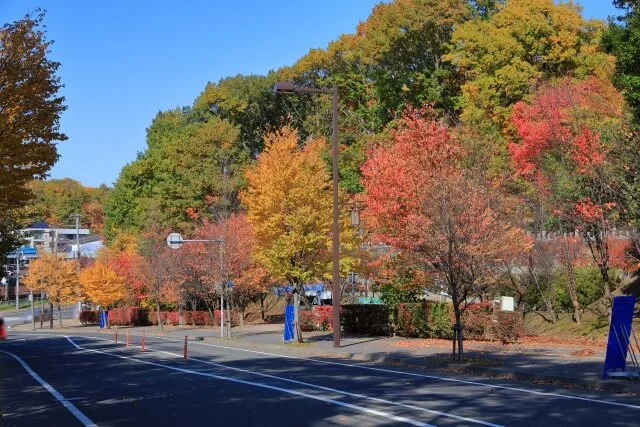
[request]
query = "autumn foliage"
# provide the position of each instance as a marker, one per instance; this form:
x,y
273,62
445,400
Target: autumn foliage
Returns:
x,y
419,199
102,285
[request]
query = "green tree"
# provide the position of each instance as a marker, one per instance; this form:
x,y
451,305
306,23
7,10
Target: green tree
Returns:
x,y
622,39
191,169
506,55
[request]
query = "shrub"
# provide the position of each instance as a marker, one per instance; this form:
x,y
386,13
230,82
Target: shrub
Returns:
x,y
370,319
307,320
477,320
324,317
508,328
89,317
166,317
319,318
427,319
128,316
201,318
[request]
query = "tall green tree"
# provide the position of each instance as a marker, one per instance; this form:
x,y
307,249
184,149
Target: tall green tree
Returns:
x,y
191,168
509,53
30,108
622,39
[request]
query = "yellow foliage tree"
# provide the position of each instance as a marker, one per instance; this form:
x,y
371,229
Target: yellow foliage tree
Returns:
x,y
289,206
102,285
55,276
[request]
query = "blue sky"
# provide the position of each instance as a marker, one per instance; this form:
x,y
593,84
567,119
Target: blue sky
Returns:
x,y
123,61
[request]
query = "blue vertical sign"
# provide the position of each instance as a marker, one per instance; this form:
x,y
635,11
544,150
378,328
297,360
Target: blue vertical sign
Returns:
x,y
103,319
619,334
288,323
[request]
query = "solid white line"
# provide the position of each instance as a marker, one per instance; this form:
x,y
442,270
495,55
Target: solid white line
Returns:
x,y
413,374
255,384
361,396
60,398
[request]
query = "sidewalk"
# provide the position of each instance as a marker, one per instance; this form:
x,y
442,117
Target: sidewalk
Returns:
x,y
561,365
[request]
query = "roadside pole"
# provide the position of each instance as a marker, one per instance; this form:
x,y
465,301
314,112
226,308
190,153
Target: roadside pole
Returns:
x,y
221,315
33,312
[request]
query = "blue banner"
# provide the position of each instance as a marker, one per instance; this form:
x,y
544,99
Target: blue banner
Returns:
x,y
103,318
288,323
619,334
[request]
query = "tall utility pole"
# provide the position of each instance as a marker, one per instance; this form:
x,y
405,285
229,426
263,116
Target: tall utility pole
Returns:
x,y
290,87
17,279
77,254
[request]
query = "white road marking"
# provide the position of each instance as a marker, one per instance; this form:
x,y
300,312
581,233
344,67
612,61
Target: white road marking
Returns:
x,y
361,396
413,374
260,385
60,398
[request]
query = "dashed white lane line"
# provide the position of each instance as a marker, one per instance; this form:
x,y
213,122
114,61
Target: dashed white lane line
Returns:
x,y
319,387
260,385
59,397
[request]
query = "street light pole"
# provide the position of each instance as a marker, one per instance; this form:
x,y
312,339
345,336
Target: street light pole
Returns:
x,y
290,87
17,279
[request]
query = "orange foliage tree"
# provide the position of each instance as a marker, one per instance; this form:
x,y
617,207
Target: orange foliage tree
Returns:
x,y
420,200
102,285
57,277
208,266
160,270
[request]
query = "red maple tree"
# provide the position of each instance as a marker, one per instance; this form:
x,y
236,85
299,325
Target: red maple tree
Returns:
x,y
559,147
421,200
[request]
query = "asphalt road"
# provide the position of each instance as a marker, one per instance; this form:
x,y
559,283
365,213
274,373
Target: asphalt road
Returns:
x,y
93,381
23,315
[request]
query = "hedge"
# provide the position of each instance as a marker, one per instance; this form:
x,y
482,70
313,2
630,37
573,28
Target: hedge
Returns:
x,y
426,319
478,322
130,316
319,318
89,317
368,319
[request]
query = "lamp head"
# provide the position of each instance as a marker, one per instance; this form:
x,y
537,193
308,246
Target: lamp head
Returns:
x,y
287,87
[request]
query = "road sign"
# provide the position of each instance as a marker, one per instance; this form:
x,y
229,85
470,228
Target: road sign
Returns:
x,y
174,240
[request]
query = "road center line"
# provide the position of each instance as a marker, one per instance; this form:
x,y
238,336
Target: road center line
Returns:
x,y
60,398
333,390
260,385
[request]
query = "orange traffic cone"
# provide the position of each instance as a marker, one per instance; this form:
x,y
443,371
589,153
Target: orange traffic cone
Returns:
x,y
3,330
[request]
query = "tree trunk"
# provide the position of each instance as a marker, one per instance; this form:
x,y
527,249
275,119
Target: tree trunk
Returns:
x,y
547,302
458,317
241,313
573,294
159,319
571,280
262,298
296,317
60,315
50,315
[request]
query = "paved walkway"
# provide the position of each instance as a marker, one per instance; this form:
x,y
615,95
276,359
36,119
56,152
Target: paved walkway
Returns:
x,y
565,365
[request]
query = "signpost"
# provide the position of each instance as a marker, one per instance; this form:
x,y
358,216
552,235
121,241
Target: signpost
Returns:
x,y
175,241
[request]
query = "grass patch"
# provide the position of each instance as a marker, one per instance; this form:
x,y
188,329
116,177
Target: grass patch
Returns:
x,y
11,305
